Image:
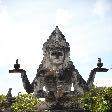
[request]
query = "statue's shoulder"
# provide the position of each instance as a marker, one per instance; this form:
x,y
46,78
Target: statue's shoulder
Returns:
x,y
40,70
72,68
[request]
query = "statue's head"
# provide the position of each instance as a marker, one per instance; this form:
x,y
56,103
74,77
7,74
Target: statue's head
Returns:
x,y
56,50
56,57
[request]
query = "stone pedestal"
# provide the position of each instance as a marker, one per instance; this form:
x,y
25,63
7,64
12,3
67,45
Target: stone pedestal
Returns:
x,y
65,108
61,104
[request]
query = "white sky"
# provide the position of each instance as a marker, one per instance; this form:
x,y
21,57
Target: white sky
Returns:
x,y
26,24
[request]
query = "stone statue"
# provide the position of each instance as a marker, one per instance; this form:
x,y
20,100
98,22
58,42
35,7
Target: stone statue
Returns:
x,y
55,70
8,102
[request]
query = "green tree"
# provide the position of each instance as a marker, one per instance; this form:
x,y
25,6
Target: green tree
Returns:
x,y
25,103
2,102
98,99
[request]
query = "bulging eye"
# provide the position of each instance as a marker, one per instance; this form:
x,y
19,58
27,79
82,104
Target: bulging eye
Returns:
x,y
60,53
56,54
53,53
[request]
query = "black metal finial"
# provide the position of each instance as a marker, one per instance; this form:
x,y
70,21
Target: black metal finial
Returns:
x,y
17,66
17,61
99,60
10,89
99,64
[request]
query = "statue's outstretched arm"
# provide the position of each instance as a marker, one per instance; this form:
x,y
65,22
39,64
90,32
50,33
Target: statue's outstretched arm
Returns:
x,y
93,72
91,78
27,86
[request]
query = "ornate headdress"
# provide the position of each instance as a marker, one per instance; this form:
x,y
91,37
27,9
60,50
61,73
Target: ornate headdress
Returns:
x,y
56,41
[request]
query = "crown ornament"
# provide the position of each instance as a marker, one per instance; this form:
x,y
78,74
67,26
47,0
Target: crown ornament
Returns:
x,y
56,41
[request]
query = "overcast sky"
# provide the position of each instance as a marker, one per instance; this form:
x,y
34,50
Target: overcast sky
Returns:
x,y
26,24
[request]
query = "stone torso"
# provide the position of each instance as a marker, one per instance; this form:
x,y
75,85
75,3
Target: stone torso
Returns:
x,y
57,78
52,79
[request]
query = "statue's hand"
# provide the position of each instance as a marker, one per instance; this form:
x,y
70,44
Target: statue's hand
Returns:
x,y
100,69
17,69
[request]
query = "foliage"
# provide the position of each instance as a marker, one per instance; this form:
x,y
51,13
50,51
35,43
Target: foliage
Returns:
x,y
98,99
2,100
25,102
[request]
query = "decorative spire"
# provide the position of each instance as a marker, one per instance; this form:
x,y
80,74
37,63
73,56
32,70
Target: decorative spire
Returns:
x,y
57,29
57,32
56,41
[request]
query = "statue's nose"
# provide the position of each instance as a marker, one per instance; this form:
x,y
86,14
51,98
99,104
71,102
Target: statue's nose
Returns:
x,y
57,56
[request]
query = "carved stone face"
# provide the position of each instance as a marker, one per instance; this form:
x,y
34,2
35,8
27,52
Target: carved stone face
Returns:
x,y
56,57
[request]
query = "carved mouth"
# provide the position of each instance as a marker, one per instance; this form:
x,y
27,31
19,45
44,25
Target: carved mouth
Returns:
x,y
57,61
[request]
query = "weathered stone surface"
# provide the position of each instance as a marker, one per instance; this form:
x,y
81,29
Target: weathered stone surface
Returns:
x,y
57,74
56,68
